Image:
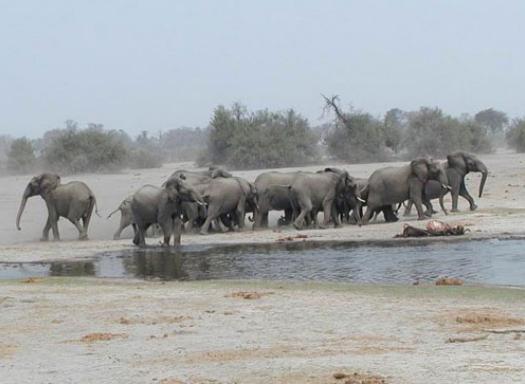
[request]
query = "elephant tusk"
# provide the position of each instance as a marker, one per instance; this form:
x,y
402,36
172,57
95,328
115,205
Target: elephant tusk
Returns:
x,y
361,200
448,187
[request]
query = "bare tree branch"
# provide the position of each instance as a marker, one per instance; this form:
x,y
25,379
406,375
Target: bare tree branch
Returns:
x,y
331,103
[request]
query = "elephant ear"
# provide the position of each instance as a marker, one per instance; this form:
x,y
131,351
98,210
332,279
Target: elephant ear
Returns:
x,y
457,160
420,169
48,182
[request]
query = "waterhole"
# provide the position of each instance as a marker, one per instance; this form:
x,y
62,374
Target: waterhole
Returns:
x,y
488,262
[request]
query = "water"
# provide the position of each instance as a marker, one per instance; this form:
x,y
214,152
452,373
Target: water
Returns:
x,y
487,262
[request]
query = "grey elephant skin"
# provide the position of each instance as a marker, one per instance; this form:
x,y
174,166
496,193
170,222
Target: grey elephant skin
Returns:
x,y
273,195
459,164
393,185
311,193
73,200
194,214
232,196
151,205
126,219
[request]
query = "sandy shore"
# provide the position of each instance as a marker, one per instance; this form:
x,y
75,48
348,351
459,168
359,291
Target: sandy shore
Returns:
x,y
501,212
235,332
88,330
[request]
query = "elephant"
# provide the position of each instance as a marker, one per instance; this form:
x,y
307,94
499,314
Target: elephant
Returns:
x,y
433,190
459,164
73,200
232,196
393,185
194,214
200,177
273,194
310,193
126,219
152,205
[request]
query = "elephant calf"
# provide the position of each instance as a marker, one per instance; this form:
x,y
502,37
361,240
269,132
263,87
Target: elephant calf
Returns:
x,y
126,219
73,200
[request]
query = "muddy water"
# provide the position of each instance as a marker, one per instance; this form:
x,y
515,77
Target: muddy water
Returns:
x,y
488,262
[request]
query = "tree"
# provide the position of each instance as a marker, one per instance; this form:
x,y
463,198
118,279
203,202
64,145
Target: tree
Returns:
x,y
21,157
431,132
492,120
356,136
394,126
242,139
516,135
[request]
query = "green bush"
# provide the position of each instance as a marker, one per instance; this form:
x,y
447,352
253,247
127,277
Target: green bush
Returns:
x,y
246,140
89,150
21,157
516,135
430,132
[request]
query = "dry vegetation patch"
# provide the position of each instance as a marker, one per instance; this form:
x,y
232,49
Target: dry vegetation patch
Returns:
x,y
248,295
487,319
359,378
99,336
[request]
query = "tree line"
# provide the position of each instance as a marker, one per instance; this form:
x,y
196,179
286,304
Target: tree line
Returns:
x,y
242,139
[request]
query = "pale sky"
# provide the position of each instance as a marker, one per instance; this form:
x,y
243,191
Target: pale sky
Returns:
x,y
156,65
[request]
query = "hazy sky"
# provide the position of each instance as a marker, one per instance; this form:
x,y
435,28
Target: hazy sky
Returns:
x,y
156,65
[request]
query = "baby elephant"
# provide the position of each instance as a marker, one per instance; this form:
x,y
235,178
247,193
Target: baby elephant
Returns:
x,y
126,219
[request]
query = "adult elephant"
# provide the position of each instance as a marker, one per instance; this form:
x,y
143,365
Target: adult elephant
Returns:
x,y
273,194
393,185
74,201
459,164
310,193
152,205
232,196
194,214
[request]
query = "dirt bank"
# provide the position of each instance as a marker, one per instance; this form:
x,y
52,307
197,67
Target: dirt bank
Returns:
x,y
235,332
501,212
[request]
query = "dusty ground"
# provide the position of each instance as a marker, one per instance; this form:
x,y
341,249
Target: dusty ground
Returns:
x,y
501,212
60,330
93,331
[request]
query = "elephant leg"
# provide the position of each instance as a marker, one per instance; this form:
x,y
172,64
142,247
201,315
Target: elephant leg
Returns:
x,y
327,213
177,231
416,195
442,204
167,229
408,208
54,228
45,232
368,214
306,208
464,193
213,213
429,208
80,228
455,183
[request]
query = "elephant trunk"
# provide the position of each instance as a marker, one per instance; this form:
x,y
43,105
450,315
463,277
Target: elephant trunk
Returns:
x,y
484,173
25,196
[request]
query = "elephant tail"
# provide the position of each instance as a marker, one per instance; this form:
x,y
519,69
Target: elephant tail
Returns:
x,y
113,212
94,204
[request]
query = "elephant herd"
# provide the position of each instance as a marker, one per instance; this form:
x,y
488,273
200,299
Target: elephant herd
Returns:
x,y
215,199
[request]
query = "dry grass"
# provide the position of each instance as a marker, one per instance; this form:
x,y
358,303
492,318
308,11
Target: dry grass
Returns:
x,y
99,336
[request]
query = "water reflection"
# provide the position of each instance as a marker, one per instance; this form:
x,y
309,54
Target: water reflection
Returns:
x,y
476,261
